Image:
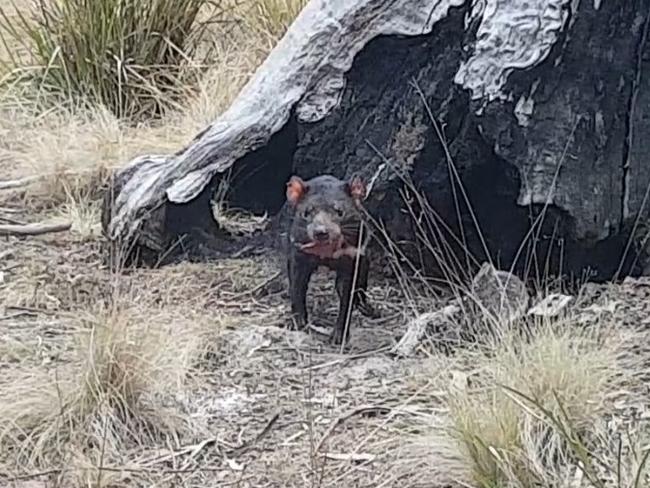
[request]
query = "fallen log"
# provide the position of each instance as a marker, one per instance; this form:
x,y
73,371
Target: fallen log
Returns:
x,y
520,124
33,229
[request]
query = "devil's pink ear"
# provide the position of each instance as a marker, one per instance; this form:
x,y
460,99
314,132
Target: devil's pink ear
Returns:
x,y
296,189
357,188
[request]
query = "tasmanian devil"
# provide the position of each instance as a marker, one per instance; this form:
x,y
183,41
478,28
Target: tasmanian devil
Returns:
x,y
325,230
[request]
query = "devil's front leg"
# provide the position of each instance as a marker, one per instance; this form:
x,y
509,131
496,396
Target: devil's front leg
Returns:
x,y
361,300
300,269
341,332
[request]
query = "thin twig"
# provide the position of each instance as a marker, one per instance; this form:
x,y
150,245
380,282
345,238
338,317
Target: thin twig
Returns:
x,y
257,288
16,315
342,418
31,476
360,355
10,210
34,310
112,469
247,445
19,183
9,220
6,254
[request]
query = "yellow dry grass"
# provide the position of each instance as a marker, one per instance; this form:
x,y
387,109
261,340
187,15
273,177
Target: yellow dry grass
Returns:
x,y
98,369
106,389
545,410
72,149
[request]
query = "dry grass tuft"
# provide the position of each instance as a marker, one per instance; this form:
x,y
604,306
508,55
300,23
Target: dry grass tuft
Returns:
x,y
72,152
234,221
69,153
131,57
72,146
84,215
104,373
503,440
271,18
532,410
117,389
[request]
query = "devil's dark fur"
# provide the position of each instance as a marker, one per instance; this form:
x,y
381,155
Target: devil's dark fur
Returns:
x,y
327,210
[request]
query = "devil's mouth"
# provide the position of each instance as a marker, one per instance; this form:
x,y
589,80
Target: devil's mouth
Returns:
x,y
318,246
326,249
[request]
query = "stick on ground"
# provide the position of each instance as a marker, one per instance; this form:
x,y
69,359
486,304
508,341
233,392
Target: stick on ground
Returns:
x,y
339,420
12,184
33,229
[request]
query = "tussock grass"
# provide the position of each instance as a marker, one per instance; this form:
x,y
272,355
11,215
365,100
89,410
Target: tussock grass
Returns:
x,y
115,392
73,150
108,375
532,404
548,409
535,407
506,440
84,215
132,57
72,146
271,18
69,153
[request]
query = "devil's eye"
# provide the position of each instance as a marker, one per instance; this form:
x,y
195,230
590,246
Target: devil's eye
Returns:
x,y
307,212
339,211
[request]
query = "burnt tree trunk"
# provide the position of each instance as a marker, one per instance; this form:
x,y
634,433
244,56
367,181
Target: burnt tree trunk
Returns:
x,y
519,122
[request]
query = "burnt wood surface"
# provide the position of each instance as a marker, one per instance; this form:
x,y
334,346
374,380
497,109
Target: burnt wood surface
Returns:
x,y
560,157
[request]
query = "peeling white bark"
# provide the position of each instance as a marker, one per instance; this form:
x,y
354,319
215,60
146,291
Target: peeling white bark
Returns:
x,y
513,35
307,71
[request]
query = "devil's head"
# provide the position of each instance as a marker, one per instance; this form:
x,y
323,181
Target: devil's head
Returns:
x,y
326,210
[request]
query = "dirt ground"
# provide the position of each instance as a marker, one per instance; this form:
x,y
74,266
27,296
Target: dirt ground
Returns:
x,y
279,407
271,397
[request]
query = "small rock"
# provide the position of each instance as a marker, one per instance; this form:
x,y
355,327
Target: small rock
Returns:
x,y
459,381
245,341
551,305
595,312
369,368
355,457
499,295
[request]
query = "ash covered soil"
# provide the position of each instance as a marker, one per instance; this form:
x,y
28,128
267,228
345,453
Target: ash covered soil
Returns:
x,y
275,407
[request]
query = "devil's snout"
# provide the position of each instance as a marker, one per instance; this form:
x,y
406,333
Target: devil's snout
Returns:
x,y
321,234
323,229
